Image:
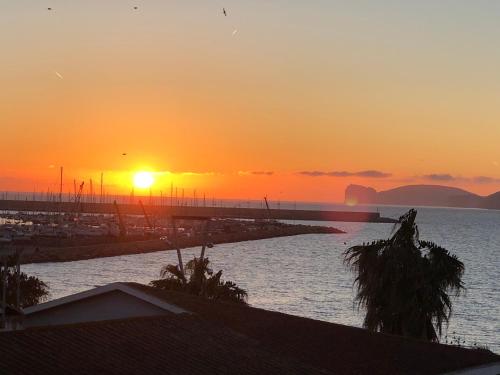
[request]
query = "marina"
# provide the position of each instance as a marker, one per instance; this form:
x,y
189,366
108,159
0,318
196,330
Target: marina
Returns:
x,y
63,236
169,210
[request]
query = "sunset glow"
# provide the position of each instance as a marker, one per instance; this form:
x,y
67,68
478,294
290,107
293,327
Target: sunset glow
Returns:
x,y
223,157
338,89
143,180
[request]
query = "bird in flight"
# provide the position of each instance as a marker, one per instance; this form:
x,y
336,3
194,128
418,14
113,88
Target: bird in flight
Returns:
x,y
224,11
136,8
49,8
124,154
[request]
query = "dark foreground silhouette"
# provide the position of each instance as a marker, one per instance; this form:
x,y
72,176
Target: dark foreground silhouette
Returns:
x,y
199,279
404,283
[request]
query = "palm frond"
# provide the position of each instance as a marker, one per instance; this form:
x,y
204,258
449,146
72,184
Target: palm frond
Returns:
x,y
201,281
403,283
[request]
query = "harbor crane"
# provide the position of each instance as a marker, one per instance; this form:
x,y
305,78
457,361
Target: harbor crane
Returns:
x,y
78,200
121,223
146,216
268,209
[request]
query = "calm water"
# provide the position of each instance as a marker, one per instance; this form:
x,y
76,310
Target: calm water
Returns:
x,y
305,275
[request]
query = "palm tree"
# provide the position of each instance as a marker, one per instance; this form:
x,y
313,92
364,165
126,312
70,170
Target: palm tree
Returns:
x,y
404,283
172,278
200,280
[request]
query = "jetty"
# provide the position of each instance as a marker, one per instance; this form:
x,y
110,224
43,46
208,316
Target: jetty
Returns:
x,y
214,212
39,253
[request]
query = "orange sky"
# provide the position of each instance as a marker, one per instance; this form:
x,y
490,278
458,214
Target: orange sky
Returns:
x,y
410,90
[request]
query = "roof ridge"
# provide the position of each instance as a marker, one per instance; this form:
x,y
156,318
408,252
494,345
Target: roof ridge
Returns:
x,y
103,289
96,323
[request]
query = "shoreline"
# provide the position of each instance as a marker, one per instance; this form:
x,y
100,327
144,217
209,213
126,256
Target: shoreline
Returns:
x,y
52,254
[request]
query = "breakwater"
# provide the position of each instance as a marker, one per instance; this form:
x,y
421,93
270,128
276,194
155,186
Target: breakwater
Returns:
x,y
42,254
216,212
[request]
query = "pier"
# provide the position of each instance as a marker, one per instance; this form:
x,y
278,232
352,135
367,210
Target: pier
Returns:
x,y
116,247
215,212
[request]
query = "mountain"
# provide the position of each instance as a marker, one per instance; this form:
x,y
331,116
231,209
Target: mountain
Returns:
x,y
421,195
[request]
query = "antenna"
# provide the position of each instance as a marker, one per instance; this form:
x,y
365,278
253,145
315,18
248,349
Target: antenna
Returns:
x,y
60,185
91,192
60,193
102,178
171,193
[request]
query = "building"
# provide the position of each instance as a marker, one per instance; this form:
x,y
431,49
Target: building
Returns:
x,y
108,302
127,328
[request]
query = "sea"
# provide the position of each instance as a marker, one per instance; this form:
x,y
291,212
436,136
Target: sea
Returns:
x,y
306,276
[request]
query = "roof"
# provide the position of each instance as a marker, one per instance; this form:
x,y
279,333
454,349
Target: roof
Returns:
x,y
122,287
170,344
489,369
337,348
223,338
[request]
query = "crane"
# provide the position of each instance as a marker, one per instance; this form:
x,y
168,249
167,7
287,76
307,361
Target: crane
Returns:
x,y
121,223
268,209
146,216
78,199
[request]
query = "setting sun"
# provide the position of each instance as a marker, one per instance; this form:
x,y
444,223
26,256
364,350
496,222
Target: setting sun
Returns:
x,y
143,180
193,155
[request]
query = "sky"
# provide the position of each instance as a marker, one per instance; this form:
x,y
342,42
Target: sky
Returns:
x,y
290,99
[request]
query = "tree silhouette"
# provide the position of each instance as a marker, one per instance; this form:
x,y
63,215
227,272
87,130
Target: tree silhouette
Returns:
x,y
404,283
32,289
200,280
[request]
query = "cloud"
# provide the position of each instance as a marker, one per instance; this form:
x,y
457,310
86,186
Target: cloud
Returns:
x,y
196,173
446,177
368,173
183,173
373,174
485,180
313,173
439,177
255,173
263,173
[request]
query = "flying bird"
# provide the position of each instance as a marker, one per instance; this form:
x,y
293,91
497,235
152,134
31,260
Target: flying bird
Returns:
x,y
49,8
224,11
136,8
124,154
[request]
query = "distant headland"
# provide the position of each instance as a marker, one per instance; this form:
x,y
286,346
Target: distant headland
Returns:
x,y
422,195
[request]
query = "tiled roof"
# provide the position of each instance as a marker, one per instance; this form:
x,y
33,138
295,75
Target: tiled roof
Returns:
x,y
337,348
172,344
223,338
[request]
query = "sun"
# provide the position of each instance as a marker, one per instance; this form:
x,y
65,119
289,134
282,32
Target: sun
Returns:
x,y
143,180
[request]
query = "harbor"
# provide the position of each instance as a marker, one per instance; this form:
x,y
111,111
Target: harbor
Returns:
x,y
69,231
212,211
110,247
